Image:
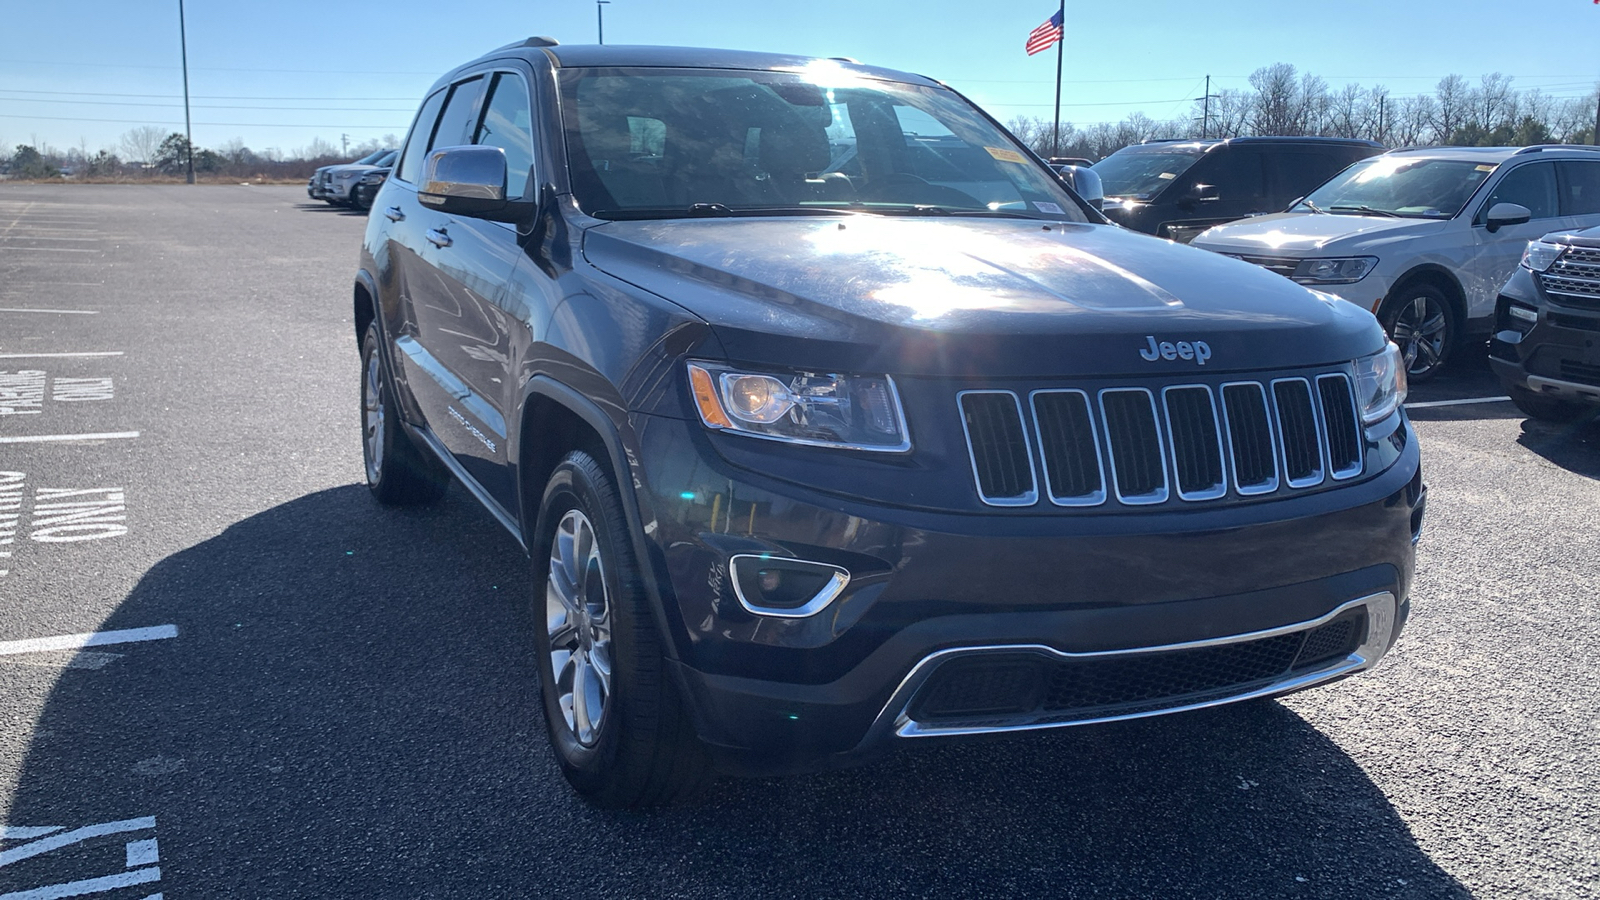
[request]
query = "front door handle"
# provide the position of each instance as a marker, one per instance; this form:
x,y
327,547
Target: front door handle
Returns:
x,y
394,214
438,238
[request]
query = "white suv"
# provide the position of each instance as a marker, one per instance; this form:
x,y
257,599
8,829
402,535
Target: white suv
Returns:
x,y
1423,238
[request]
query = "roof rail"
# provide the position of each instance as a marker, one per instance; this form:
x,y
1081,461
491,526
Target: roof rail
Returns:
x,y
1539,147
1170,140
536,41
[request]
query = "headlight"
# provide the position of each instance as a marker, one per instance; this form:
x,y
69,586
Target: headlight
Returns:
x,y
1539,255
860,412
374,177
1334,271
1380,383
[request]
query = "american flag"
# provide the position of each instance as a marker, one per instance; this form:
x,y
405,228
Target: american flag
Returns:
x,y
1042,37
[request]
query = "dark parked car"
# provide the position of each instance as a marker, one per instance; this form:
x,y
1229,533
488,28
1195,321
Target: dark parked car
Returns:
x,y
1177,189
814,464
367,186
1544,347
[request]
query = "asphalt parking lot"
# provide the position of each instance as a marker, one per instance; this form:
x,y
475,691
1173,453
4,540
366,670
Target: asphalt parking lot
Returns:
x,y
306,695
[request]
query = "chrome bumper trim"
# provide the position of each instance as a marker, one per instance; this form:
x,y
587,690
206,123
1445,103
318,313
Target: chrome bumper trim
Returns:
x,y
1569,389
1381,612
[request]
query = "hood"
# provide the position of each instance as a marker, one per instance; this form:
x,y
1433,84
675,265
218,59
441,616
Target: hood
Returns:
x,y
1299,234
346,171
994,297
1583,237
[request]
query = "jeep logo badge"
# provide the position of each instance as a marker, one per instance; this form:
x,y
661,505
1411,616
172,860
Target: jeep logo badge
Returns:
x,y
1199,351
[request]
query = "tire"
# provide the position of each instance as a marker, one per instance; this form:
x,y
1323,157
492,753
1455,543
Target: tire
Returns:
x,y
398,474
1421,320
1548,409
598,647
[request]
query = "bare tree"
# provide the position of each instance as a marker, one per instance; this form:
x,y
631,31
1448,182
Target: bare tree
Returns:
x,y
140,144
1456,106
1277,107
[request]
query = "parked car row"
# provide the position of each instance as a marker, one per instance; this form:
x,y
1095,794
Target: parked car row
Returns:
x,y
352,184
1422,238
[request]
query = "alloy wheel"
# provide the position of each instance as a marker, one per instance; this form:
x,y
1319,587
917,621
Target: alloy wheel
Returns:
x,y
372,418
1421,329
578,620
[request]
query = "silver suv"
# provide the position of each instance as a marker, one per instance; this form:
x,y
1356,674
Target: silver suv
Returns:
x,y
1423,238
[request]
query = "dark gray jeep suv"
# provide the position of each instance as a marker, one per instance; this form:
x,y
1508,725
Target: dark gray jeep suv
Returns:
x,y
832,421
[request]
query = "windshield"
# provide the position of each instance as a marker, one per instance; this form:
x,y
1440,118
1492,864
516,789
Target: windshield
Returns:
x,y
1141,172
369,158
387,159
661,143
1398,186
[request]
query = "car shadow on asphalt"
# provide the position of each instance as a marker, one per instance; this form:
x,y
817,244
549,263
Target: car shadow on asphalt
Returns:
x,y
1574,446
350,710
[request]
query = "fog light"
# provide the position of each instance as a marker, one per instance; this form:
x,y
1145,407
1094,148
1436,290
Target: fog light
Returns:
x,y
784,587
1522,312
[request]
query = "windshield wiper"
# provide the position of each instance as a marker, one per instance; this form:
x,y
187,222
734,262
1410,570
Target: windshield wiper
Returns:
x,y
1313,207
946,211
1368,209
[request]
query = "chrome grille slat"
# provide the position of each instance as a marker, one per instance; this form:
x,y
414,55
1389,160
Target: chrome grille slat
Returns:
x,y
1139,476
1194,443
1574,278
1074,469
997,443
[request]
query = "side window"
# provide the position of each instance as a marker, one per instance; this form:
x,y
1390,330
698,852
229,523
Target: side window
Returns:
x,y
460,115
1295,174
1580,188
508,124
1533,186
1235,177
417,144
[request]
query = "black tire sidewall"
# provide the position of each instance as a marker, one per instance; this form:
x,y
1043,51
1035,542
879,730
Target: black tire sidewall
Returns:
x,y
369,348
572,486
1390,312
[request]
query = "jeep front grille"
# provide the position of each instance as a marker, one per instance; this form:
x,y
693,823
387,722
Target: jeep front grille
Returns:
x,y
1574,278
1195,442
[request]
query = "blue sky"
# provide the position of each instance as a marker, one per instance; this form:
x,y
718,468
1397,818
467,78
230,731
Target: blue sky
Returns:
x,y
279,74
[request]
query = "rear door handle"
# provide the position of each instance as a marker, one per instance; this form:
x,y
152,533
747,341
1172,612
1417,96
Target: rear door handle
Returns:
x,y
394,214
438,238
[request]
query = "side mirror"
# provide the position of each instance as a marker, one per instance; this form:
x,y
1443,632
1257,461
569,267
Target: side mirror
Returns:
x,y
1085,182
1503,214
469,181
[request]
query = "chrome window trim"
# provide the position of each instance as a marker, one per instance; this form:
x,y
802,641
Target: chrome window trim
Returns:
x,y
1361,452
1157,496
1272,438
1098,497
1316,422
1381,607
1220,489
829,592
1032,495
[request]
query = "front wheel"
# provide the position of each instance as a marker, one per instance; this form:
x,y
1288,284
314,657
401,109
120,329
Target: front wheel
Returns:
x,y
1422,322
616,723
397,473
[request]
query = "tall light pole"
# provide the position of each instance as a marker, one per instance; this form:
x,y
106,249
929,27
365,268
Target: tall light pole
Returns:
x,y
600,17
188,129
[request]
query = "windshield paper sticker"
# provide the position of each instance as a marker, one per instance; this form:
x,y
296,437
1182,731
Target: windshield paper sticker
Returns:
x,y
1004,155
1051,208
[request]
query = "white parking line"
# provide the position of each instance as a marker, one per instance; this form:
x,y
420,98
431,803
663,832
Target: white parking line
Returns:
x,y
68,438
64,312
59,355
79,641
1432,404
89,886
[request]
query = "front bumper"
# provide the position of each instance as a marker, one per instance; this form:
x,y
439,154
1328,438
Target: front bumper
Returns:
x,y
931,590
1556,356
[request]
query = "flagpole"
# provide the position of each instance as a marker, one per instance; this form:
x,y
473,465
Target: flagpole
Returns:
x,y
1061,45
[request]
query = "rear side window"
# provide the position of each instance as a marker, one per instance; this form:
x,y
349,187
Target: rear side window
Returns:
x,y
460,115
1294,174
508,124
1580,188
1533,186
417,143
1233,177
